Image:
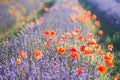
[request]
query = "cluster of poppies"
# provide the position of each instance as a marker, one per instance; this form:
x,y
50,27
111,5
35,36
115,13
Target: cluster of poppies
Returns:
x,y
45,51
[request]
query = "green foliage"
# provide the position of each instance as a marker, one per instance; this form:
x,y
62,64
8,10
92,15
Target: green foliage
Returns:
x,y
116,41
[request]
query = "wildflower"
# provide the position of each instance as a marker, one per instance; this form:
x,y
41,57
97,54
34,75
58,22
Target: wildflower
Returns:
x,y
32,23
108,56
101,53
85,39
40,20
94,17
13,11
5,43
115,77
46,43
75,31
46,9
97,23
88,12
90,35
100,32
80,37
68,34
54,64
110,46
92,27
46,32
74,55
61,50
23,22
92,42
109,63
72,49
97,47
79,70
58,40
53,33
81,18
63,36
18,61
87,51
102,68
50,38
37,54
22,54
82,48
108,59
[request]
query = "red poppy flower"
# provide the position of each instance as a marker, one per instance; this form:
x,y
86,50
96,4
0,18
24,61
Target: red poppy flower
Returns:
x,y
102,68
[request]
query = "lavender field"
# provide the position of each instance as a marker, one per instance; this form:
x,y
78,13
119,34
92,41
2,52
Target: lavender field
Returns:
x,y
61,44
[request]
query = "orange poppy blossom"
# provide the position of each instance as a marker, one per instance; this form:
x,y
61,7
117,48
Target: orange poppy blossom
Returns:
x,y
88,12
97,23
23,22
92,42
94,17
81,18
50,38
110,46
47,32
73,16
58,40
115,77
90,35
92,27
100,32
79,37
37,54
46,9
79,70
69,35
108,56
53,33
74,55
40,20
97,47
73,20
85,39
108,59
87,21
101,53
5,43
102,68
63,36
18,61
110,63
75,32
46,43
32,23
22,54
88,51
13,11
61,50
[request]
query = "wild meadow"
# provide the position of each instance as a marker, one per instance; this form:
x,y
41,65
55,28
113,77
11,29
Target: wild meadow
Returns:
x,y
62,44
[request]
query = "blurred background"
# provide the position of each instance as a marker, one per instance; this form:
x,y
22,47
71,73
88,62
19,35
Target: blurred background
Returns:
x,y
14,14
